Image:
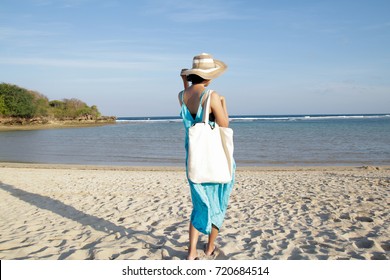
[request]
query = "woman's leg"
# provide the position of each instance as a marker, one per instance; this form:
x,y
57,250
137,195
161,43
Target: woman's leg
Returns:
x,y
194,235
210,245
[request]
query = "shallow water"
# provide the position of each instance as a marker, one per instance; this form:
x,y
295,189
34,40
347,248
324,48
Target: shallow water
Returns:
x,y
259,141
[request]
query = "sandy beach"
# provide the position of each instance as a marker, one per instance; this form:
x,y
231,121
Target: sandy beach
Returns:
x,y
89,212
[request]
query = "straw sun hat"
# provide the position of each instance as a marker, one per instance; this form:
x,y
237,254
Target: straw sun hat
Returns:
x,y
205,66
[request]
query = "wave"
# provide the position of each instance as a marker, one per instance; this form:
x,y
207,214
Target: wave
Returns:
x,y
253,118
306,117
147,119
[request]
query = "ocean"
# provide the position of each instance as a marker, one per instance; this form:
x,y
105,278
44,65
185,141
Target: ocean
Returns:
x,y
290,140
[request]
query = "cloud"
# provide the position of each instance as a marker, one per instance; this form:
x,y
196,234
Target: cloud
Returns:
x,y
198,11
108,80
61,3
75,63
9,32
379,26
346,88
99,58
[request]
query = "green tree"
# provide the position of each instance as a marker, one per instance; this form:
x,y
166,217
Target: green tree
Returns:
x,y
3,107
41,104
94,111
18,101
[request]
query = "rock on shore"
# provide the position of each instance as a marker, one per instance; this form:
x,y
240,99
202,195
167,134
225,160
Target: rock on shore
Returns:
x,y
48,122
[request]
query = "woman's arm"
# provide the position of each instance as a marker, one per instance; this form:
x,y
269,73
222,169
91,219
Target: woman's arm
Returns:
x,y
179,97
185,84
223,102
219,109
184,78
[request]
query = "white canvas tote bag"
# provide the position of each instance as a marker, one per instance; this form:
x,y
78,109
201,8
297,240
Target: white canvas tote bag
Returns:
x,y
210,151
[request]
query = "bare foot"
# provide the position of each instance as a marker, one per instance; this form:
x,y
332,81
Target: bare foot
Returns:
x,y
209,252
191,258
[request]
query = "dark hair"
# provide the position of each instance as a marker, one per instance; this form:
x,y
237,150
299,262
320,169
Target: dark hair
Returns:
x,y
195,79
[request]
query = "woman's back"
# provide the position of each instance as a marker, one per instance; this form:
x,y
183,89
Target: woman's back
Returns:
x,y
192,110
193,97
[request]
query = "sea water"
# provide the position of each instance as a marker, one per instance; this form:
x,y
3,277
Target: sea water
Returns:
x,y
259,141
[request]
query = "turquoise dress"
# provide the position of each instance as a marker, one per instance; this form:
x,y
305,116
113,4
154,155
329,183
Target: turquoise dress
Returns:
x,y
209,200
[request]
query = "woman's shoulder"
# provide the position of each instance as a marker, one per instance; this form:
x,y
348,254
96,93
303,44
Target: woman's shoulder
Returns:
x,y
180,96
214,95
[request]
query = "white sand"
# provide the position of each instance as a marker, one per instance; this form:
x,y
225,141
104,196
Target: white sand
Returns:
x,y
75,212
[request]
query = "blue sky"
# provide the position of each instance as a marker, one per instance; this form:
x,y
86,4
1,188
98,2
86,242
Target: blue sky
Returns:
x,y
284,57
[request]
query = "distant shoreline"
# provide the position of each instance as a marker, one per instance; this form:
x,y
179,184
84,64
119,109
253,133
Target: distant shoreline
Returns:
x,y
19,124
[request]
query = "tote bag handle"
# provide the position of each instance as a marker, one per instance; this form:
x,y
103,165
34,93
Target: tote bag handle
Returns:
x,y
206,107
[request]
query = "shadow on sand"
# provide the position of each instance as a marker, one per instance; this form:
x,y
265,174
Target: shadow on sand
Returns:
x,y
99,224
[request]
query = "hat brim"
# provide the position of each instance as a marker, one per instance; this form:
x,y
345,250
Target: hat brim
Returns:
x,y
208,74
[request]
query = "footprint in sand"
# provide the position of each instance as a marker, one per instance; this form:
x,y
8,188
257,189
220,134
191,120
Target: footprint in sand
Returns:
x,y
364,219
155,223
378,256
386,245
364,243
345,216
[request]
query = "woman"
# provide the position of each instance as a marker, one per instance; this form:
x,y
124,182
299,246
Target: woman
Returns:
x,y
209,200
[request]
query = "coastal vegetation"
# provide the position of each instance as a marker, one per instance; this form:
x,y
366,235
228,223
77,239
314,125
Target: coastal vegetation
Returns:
x,y
22,106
